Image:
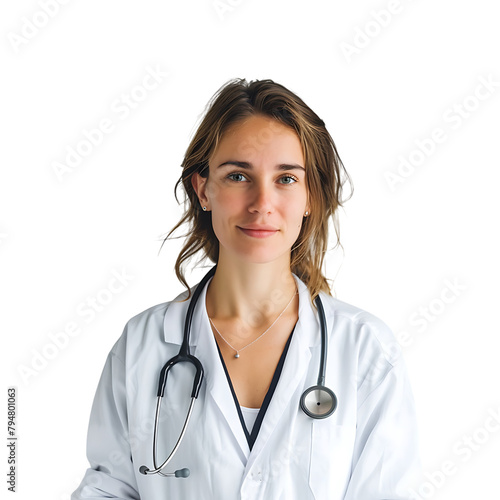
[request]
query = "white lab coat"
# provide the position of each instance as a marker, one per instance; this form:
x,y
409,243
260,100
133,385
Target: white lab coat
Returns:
x,y
367,450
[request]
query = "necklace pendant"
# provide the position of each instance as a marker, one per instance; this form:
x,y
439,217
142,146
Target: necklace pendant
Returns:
x,y
236,355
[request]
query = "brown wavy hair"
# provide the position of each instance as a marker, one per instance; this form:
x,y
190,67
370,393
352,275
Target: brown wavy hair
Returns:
x,y
325,174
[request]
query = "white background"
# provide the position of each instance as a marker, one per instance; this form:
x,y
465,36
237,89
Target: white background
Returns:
x,y
61,238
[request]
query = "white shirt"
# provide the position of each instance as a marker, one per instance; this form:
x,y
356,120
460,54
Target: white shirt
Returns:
x,y
367,450
250,416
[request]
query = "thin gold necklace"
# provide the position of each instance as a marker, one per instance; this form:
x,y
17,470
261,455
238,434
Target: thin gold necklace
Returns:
x,y
237,355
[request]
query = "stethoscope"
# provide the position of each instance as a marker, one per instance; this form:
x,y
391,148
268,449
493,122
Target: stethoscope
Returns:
x,y
317,402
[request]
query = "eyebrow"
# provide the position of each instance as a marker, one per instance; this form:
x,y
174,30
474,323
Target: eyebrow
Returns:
x,y
249,166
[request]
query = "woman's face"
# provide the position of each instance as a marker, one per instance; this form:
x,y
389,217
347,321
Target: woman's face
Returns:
x,y
256,181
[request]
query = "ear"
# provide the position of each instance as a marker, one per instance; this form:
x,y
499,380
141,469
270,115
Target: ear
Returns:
x,y
199,185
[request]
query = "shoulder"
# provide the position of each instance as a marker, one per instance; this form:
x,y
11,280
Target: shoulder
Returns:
x,y
364,329
367,346
146,328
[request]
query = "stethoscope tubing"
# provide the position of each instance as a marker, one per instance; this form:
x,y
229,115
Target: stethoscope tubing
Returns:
x,y
172,453
324,342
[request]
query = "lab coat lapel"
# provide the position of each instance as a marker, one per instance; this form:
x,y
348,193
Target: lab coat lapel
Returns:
x,y
305,335
217,384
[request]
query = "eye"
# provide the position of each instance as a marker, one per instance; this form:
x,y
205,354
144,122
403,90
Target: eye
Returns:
x,y
292,177
230,176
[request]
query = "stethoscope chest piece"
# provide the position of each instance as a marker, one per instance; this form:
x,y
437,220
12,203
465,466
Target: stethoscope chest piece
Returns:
x,y
318,402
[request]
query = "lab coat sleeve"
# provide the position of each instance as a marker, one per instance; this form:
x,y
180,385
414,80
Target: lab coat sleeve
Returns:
x,y
111,474
386,463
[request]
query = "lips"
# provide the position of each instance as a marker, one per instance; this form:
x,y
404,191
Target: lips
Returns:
x,y
264,227
258,231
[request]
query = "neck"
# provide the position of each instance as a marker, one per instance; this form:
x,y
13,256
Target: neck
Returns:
x,y
251,293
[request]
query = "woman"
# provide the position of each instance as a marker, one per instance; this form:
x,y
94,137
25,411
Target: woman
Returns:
x,y
262,178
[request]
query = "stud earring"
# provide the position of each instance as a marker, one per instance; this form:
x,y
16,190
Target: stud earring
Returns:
x,y
205,209
306,214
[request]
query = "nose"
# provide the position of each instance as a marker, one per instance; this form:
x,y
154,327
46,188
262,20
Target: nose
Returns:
x,y
261,199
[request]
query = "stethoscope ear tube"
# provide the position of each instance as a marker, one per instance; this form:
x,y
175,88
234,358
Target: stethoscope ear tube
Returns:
x,y
198,378
158,469
183,356
189,315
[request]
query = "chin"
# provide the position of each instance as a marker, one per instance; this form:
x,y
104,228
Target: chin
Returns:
x,y
261,256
